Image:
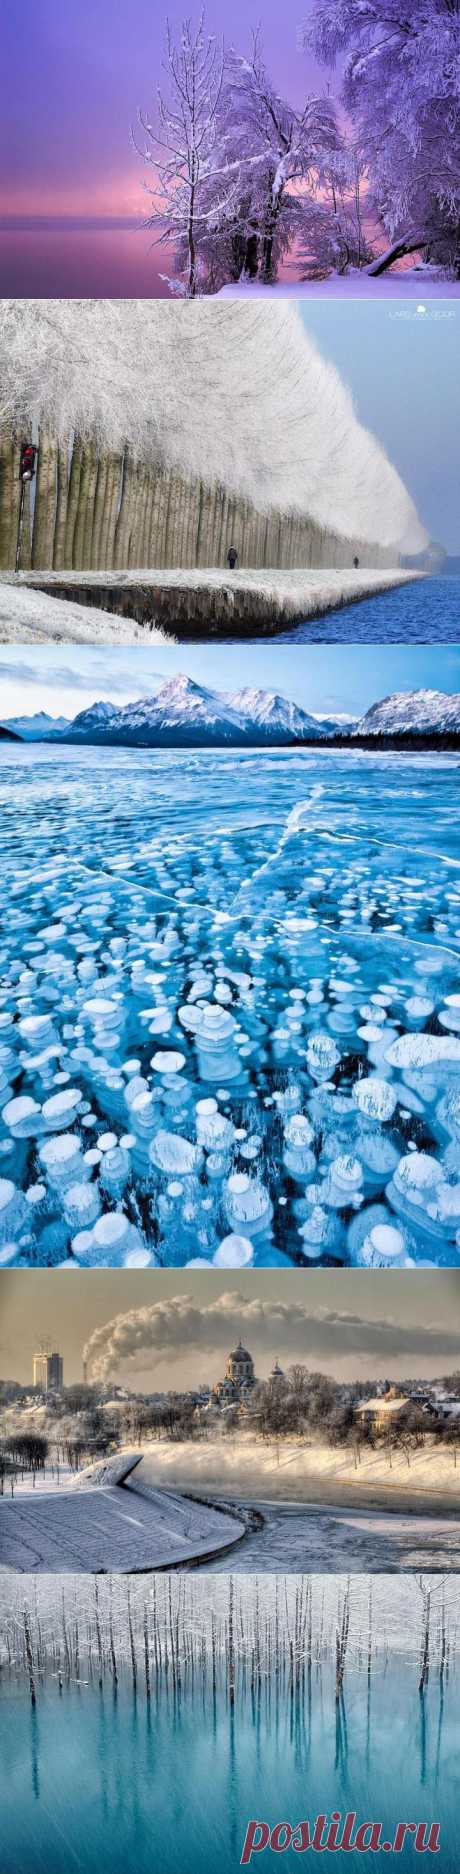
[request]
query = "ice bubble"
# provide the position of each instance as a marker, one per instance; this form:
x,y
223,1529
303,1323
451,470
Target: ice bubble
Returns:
x,y
376,1098
298,1134
315,1232
59,1111
115,1171
233,1252
383,1247
450,1018
418,1172
35,1194
215,1042
322,1057
247,1202
111,1230
347,1173
37,1030
81,1204
23,1116
414,1191
13,1211
175,1155
106,1141
419,1008
448,1112
161,1022
8,1254
61,1158
168,1061
138,1258
422,1051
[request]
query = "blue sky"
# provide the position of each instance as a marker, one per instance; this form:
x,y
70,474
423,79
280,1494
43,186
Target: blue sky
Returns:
x,y
402,368
336,677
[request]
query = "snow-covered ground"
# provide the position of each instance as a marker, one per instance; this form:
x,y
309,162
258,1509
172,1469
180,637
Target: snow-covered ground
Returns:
x,y
101,1527
291,1470
200,599
410,284
315,1512
31,617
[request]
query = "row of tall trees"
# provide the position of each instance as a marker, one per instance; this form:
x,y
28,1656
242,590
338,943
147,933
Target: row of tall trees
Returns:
x,y
240,177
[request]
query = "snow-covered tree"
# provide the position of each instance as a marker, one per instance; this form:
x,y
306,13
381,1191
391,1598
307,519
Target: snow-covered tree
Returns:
x,y
334,231
282,153
235,395
401,88
181,145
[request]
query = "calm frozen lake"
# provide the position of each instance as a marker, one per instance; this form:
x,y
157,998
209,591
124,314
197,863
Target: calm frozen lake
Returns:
x,y
205,959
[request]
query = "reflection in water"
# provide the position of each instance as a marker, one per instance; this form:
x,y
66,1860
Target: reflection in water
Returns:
x,y
170,1779
63,260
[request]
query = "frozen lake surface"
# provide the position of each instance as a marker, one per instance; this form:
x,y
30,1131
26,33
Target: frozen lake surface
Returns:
x,y
230,1015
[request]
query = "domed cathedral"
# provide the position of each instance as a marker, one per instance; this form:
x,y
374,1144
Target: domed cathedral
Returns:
x,y
239,1378
240,1367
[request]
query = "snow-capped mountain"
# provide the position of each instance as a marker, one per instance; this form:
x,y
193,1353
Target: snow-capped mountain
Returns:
x,y
185,714
337,725
275,714
189,714
417,712
97,718
32,728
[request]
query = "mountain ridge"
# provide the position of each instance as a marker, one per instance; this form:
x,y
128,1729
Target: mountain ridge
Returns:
x,y
185,713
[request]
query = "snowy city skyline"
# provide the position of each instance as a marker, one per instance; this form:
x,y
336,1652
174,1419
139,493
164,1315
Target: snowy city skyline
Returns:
x,y
330,678
374,1325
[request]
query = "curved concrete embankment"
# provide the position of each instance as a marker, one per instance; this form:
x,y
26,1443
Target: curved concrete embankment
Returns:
x,y
106,1524
197,603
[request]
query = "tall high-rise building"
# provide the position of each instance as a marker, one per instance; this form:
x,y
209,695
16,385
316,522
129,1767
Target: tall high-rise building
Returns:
x,y
48,1371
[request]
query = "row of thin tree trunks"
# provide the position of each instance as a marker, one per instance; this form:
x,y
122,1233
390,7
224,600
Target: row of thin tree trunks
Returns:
x,y
96,510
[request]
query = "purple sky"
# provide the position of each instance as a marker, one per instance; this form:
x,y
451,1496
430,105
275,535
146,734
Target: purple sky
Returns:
x,y
78,72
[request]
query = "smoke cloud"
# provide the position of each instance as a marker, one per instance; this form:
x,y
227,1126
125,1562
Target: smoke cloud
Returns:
x,y
172,1329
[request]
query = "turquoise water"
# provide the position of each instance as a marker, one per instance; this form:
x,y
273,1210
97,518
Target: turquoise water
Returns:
x,y
96,1779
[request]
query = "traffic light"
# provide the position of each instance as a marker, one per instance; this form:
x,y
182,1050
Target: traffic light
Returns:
x,y
27,462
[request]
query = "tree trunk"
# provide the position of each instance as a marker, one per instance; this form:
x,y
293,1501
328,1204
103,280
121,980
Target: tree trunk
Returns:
x,y
110,512
100,498
59,560
45,502
72,500
407,244
88,516
9,507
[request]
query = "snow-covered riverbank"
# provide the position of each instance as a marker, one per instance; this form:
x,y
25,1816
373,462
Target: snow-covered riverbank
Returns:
x,y
28,616
187,603
292,1471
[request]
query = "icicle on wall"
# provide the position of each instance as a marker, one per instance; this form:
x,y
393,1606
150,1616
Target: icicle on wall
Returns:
x,y
97,510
